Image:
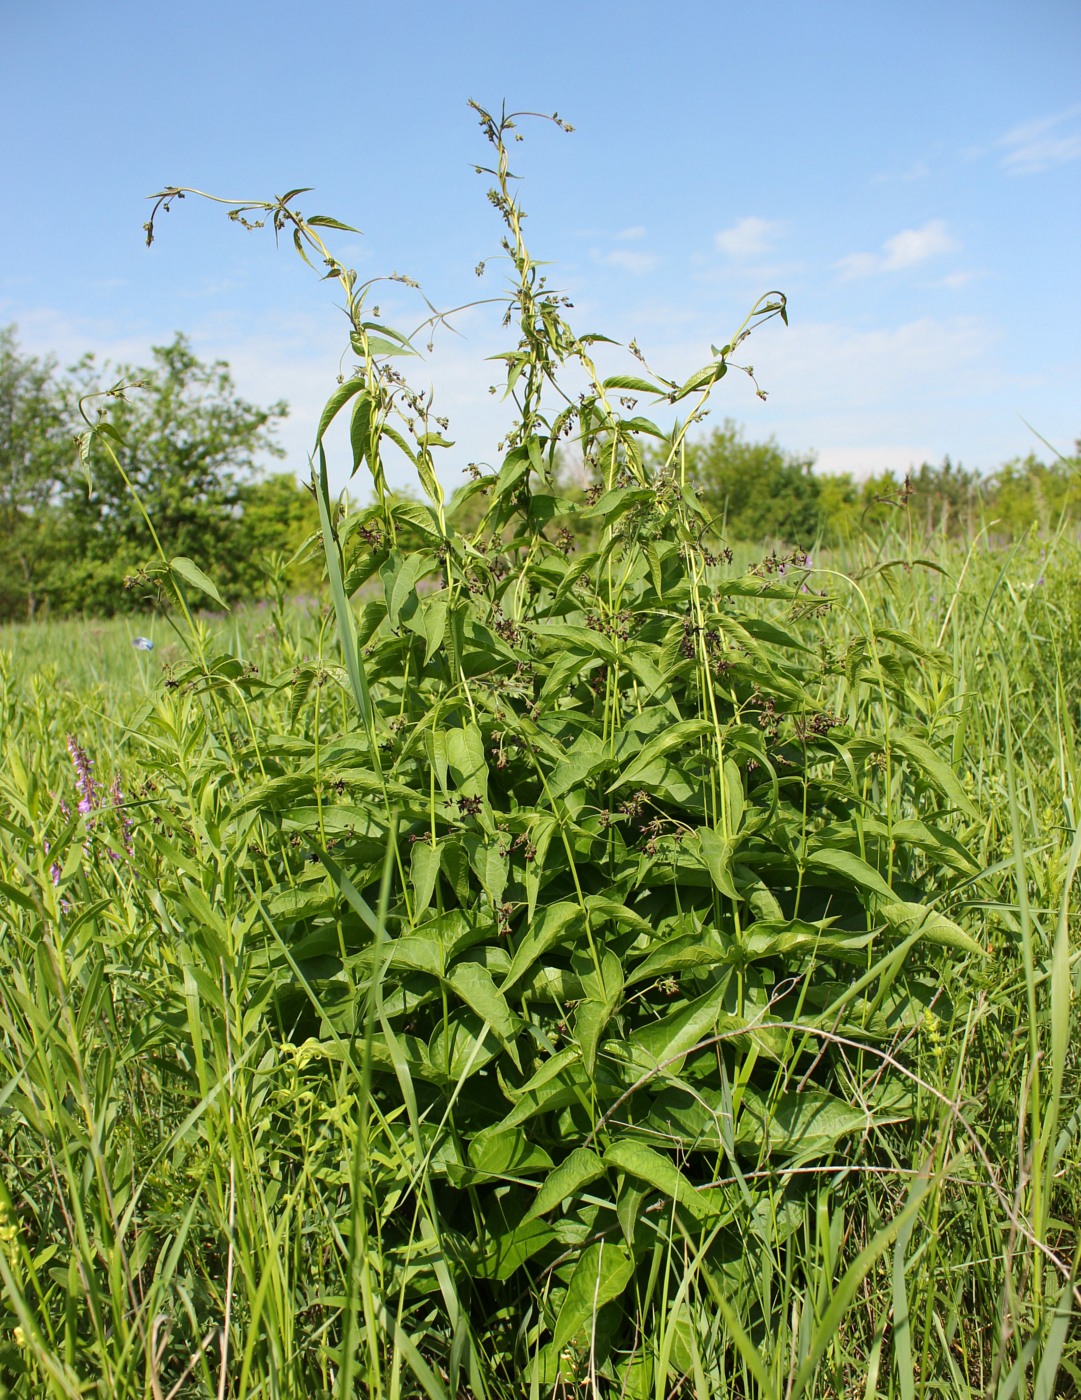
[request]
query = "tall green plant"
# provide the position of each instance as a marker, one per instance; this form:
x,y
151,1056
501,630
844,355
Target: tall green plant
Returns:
x,y
601,911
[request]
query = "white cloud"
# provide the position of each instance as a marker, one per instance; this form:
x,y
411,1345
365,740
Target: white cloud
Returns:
x,y
917,170
954,281
904,250
630,234
1036,146
629,261
857,265
914,245
749,238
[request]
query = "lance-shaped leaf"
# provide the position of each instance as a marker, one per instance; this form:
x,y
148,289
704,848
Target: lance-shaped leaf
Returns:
x,y
191,573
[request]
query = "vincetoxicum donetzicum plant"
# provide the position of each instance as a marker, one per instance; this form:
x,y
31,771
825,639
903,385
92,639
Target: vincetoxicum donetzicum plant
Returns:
x,y
618,886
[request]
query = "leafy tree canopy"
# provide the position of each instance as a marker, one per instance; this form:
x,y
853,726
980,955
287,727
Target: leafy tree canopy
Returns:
x,y
35,450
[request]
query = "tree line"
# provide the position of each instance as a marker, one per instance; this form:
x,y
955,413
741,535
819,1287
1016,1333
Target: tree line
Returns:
x,y
757,491
189,448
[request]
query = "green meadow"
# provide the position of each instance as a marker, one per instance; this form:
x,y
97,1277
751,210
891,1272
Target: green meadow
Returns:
x,y
569,956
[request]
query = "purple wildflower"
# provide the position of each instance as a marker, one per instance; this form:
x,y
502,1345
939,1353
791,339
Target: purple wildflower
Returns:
x,y
84,776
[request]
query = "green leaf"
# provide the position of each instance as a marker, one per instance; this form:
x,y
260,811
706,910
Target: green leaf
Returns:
x,y
488,858
582,639
585,757
630,1155
559,1081
676,1033
769,938
191,573
421,518
418,952
466,761
717,856
579,1168
600,1276
676,736
424,861
929,925
506,1250
360,431
600,907
292,905
400,575
341,395
676,955
936,770
802,1124
541,830
476,988
509,1155
909,643
461,1046
636,386
940,844
428,479
325,221
590,1019
851,868
430,622
381,345
541,933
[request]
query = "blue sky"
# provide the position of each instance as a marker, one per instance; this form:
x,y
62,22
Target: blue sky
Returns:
x,y
909,174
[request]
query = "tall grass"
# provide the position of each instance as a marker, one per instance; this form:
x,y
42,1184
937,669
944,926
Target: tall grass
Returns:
x,y
197,1205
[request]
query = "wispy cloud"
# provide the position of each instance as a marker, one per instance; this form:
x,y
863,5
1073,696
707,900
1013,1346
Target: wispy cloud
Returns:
x,y
906,249
632,234
917,170
749,238
627,259
954,281
1036,146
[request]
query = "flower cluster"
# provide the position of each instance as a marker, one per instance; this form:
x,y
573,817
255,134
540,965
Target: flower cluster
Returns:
x,y
84,777
94,800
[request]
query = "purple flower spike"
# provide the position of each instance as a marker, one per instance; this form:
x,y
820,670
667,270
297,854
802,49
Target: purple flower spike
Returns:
x,y
84,776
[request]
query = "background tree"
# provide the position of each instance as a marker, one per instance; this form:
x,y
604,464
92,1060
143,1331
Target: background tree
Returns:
x,y
279,515
1026,492
35,449
189,445
755,491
